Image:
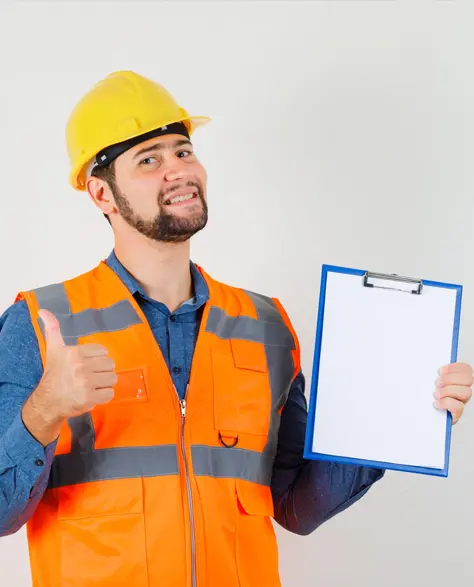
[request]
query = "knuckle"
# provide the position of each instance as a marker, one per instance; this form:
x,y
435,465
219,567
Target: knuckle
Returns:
x,y
76,352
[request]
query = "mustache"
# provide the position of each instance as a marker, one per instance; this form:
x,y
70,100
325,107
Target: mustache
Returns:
x,y
163,196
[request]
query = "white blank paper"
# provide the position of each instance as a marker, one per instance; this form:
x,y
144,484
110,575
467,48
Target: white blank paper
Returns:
x,y
380,355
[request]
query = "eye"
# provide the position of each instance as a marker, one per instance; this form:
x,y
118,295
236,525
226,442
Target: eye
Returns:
x,y
182,152
143,161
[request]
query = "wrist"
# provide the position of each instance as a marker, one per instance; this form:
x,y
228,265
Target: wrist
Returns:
x,y
41,419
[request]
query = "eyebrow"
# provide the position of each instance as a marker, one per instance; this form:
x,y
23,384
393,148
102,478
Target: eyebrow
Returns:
x,y
161,147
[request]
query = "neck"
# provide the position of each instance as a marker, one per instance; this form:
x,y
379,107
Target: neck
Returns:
x,y
162,269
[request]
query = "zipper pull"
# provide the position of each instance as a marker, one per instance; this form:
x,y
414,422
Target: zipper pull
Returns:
x,y
183,407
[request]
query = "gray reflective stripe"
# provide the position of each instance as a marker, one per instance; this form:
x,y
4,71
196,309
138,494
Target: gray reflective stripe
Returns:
x,y
233,463
280,367
83,437
246,328
117,317
54,299
156,461
113,463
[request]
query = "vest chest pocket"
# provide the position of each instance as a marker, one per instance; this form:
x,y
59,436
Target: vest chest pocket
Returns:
x,y
242,395
131,386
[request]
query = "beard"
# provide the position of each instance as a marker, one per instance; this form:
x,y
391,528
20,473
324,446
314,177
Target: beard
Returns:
x,y
165,227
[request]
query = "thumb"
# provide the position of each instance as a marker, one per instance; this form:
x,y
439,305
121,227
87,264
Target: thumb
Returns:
x,y
52,330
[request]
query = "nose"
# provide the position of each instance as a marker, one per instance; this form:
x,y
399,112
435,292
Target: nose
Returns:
x,y
176,169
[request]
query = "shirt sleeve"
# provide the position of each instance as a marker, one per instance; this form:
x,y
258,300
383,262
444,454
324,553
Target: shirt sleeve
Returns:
x,y
307,493
24,462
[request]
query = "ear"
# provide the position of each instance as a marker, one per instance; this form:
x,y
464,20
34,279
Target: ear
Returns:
x,y
100,193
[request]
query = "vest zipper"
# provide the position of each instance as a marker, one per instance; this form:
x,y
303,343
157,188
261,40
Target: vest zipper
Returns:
x,y
190,499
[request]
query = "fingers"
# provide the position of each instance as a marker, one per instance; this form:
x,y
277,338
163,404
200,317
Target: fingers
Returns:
x,y
93,350
455,378
454,406
460,392
454,388
103,380
455,368
104,395
101,364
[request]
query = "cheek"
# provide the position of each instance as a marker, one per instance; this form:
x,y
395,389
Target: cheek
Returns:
x,y
201,174
143,199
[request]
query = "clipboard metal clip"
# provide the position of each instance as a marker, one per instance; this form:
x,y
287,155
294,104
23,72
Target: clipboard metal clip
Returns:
x,y
394,282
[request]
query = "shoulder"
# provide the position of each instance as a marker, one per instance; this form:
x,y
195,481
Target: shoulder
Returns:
x,y
20,359
15,318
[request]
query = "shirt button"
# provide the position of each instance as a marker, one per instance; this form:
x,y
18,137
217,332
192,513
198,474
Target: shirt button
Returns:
x,y
39,462
173,318
176,370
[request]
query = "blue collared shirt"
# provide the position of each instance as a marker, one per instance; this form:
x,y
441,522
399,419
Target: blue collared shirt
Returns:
x,y
305,493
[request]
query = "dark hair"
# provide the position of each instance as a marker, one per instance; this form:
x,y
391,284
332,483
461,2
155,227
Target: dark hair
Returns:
x,y
107,174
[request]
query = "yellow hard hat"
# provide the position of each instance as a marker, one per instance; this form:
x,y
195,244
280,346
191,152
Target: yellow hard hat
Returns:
x,y
122,106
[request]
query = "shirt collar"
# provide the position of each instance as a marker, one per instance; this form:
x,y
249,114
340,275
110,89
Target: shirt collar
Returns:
x,y
201,290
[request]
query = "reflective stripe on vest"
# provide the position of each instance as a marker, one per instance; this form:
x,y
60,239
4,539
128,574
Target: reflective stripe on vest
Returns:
x,y
73,326
155,461
86,464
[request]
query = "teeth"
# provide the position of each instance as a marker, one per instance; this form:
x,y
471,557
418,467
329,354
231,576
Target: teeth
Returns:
x,y
181,198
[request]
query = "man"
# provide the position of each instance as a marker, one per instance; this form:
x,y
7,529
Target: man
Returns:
x,y
153,419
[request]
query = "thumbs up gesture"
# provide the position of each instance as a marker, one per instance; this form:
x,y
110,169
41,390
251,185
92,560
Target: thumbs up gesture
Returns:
x,y
75,380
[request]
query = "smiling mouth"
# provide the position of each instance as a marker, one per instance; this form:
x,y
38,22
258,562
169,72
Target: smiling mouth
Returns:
x,y
181,199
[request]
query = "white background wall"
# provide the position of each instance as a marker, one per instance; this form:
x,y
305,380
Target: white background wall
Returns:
x,y
343,132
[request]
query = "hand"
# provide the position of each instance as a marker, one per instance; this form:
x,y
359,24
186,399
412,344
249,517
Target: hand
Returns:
x,y
75,380
454,388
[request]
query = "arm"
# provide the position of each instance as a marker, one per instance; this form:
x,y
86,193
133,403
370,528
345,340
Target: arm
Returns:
x,y
23,479
307,493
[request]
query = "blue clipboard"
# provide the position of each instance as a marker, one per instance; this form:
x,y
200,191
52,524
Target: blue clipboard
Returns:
x,y
416,286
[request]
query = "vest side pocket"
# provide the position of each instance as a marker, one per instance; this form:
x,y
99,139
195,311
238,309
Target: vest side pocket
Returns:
x,y
256,545
254,499
102,534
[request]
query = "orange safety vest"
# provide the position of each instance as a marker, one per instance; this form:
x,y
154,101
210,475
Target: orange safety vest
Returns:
x,y
151,491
